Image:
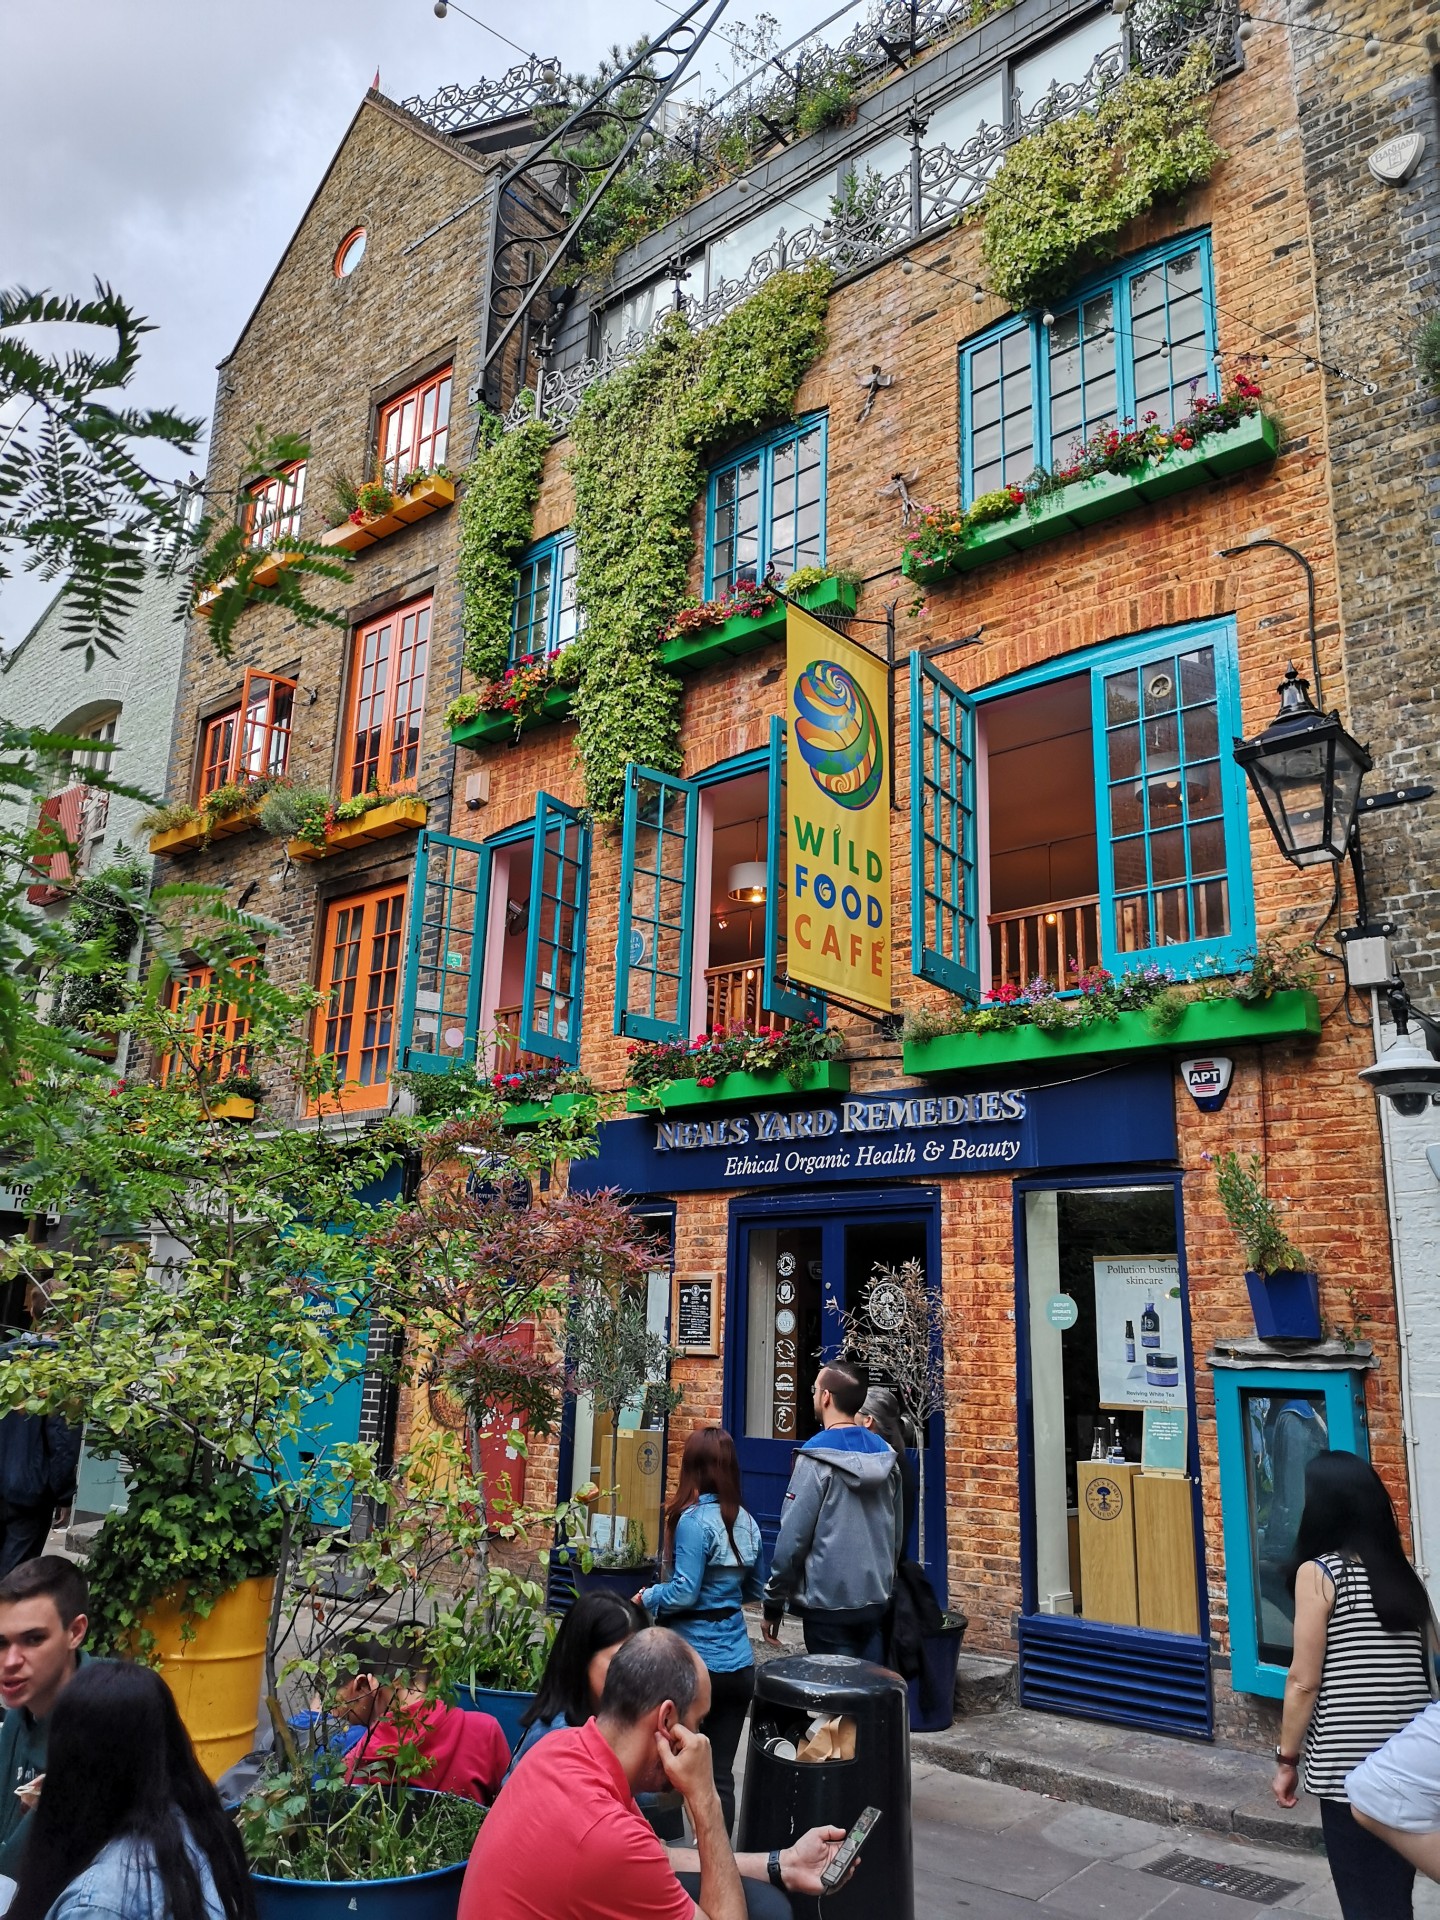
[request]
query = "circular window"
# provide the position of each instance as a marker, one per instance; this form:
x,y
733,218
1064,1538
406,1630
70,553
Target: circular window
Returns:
x,y
349,253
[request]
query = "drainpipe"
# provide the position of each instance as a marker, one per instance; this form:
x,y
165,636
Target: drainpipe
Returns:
x,y
1402,1321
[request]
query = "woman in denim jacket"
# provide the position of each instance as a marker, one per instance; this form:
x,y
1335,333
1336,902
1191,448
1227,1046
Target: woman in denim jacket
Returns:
x,y
715,1550
127,1827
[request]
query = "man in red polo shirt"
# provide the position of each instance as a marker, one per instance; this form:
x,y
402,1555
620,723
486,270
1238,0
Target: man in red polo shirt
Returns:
x,y
445,1748
565,1840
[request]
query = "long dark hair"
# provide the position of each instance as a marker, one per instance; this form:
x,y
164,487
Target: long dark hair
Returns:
x,y
708,1465
120,1766
1347,1510
596,1621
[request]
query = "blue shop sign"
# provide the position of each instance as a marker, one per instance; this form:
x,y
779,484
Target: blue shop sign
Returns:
x,y
1118,1118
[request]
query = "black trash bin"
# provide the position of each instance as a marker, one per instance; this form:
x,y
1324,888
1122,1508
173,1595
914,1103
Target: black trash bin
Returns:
x,y
783,1797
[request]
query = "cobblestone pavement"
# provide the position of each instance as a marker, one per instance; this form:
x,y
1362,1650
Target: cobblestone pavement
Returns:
x,y
989,1852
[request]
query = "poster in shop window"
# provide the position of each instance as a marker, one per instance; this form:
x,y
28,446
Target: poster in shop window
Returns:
x,y
1138,1334
837,792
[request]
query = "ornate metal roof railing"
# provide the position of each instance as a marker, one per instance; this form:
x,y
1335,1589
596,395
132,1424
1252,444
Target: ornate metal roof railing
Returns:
x,y
535,82
886,215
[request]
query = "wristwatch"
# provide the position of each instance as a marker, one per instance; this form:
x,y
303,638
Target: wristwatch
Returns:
x,y
772,1867
1287,1759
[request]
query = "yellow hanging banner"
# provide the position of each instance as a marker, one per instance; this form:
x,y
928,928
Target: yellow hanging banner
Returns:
x,y
837,802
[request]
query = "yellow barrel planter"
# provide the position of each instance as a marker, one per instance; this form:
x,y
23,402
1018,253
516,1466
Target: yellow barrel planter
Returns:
x,y
215,1677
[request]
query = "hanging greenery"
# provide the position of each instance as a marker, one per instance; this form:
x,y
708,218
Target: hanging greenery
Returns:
x,y
1061,197
496,512
639,445
1427,350
105,919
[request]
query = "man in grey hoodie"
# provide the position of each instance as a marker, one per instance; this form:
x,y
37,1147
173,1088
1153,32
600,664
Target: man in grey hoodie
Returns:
x,y
841,1528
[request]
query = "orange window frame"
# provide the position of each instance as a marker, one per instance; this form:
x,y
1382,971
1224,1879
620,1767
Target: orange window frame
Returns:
x,y
220,1030
387,700
250,741
272,511
362,956
414,428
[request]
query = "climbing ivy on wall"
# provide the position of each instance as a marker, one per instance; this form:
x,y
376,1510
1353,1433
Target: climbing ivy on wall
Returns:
x,y
496,513
639,444
1062,196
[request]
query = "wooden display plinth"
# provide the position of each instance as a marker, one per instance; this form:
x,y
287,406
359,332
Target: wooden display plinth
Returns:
x,y
1107,1540
1165,1553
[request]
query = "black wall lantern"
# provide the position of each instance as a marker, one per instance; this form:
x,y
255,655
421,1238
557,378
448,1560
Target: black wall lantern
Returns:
x,y
1306,772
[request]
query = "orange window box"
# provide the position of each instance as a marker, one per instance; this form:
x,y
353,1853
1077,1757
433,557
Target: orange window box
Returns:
x,y
406,815
430,496
235,1107
268,571
195,833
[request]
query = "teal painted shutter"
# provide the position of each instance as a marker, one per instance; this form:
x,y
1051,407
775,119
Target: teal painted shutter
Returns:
x,y
945,939
1172,835
555,943
445,954
657,905
792,1003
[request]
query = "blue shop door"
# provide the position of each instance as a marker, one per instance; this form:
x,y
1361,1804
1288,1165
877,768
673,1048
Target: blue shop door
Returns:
x,y
791,1276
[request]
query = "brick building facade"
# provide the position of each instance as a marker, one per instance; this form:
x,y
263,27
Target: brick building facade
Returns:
x,y
1098,677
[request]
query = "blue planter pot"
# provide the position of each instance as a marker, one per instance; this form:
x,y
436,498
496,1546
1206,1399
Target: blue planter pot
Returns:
x,y
621,1580
424,1896
1286,1305
932,1691
500,1702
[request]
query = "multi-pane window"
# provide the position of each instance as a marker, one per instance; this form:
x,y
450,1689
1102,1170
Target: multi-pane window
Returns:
x,y
272,509
1140,341
360,975
249,741
216,1028
415,429
94,759
387,700
546,616
767,509
1165,801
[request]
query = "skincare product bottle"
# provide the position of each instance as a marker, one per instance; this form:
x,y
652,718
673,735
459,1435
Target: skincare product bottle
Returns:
x,y
1129,1340
1149,1326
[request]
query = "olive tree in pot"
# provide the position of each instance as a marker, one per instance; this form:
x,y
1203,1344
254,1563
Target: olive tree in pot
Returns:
x,y
615,1358
1284,1292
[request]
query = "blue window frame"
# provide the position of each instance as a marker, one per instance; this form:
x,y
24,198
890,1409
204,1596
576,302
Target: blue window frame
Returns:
x,y
1133,341
657,905
1172,833
546,617
446,957
765,508
1269,1422
943,890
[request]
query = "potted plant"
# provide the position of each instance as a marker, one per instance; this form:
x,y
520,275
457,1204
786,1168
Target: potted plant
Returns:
x,y
488,1648
1284,1291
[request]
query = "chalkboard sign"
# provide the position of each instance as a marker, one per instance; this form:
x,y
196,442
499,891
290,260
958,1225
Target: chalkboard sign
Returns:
x,y
695,1315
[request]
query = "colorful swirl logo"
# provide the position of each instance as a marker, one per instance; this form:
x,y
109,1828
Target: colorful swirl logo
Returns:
x,y
838,736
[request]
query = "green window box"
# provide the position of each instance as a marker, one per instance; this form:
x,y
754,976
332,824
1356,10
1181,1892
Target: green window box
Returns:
x,y
1204,1024
1249,443
526,1112
688,652
829,1076
501,726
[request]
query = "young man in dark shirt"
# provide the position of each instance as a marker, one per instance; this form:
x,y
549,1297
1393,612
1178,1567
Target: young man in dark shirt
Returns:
x,y
44,1605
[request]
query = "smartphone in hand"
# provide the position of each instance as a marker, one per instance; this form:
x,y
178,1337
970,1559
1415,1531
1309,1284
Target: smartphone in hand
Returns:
x,y
850,1847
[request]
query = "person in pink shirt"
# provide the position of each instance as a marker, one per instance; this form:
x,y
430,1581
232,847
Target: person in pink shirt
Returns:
x,y
446,1749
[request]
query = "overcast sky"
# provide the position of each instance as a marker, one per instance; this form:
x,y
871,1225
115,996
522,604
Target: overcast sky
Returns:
x,y
170,146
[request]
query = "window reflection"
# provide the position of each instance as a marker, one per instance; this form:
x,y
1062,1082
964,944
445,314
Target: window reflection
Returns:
x,y
1283,1433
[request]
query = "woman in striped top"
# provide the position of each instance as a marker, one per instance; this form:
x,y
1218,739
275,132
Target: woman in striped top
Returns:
x,y
1358,1673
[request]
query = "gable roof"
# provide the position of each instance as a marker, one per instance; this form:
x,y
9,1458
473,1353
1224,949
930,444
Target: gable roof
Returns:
x,y
482,165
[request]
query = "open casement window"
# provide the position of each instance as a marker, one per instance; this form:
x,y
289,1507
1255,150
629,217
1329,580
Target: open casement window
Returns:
x,y
777,997
387,700
360,976
272,508
415,429
555,936
252,740
445,953
219,1029
1115,827
944,901
657,905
